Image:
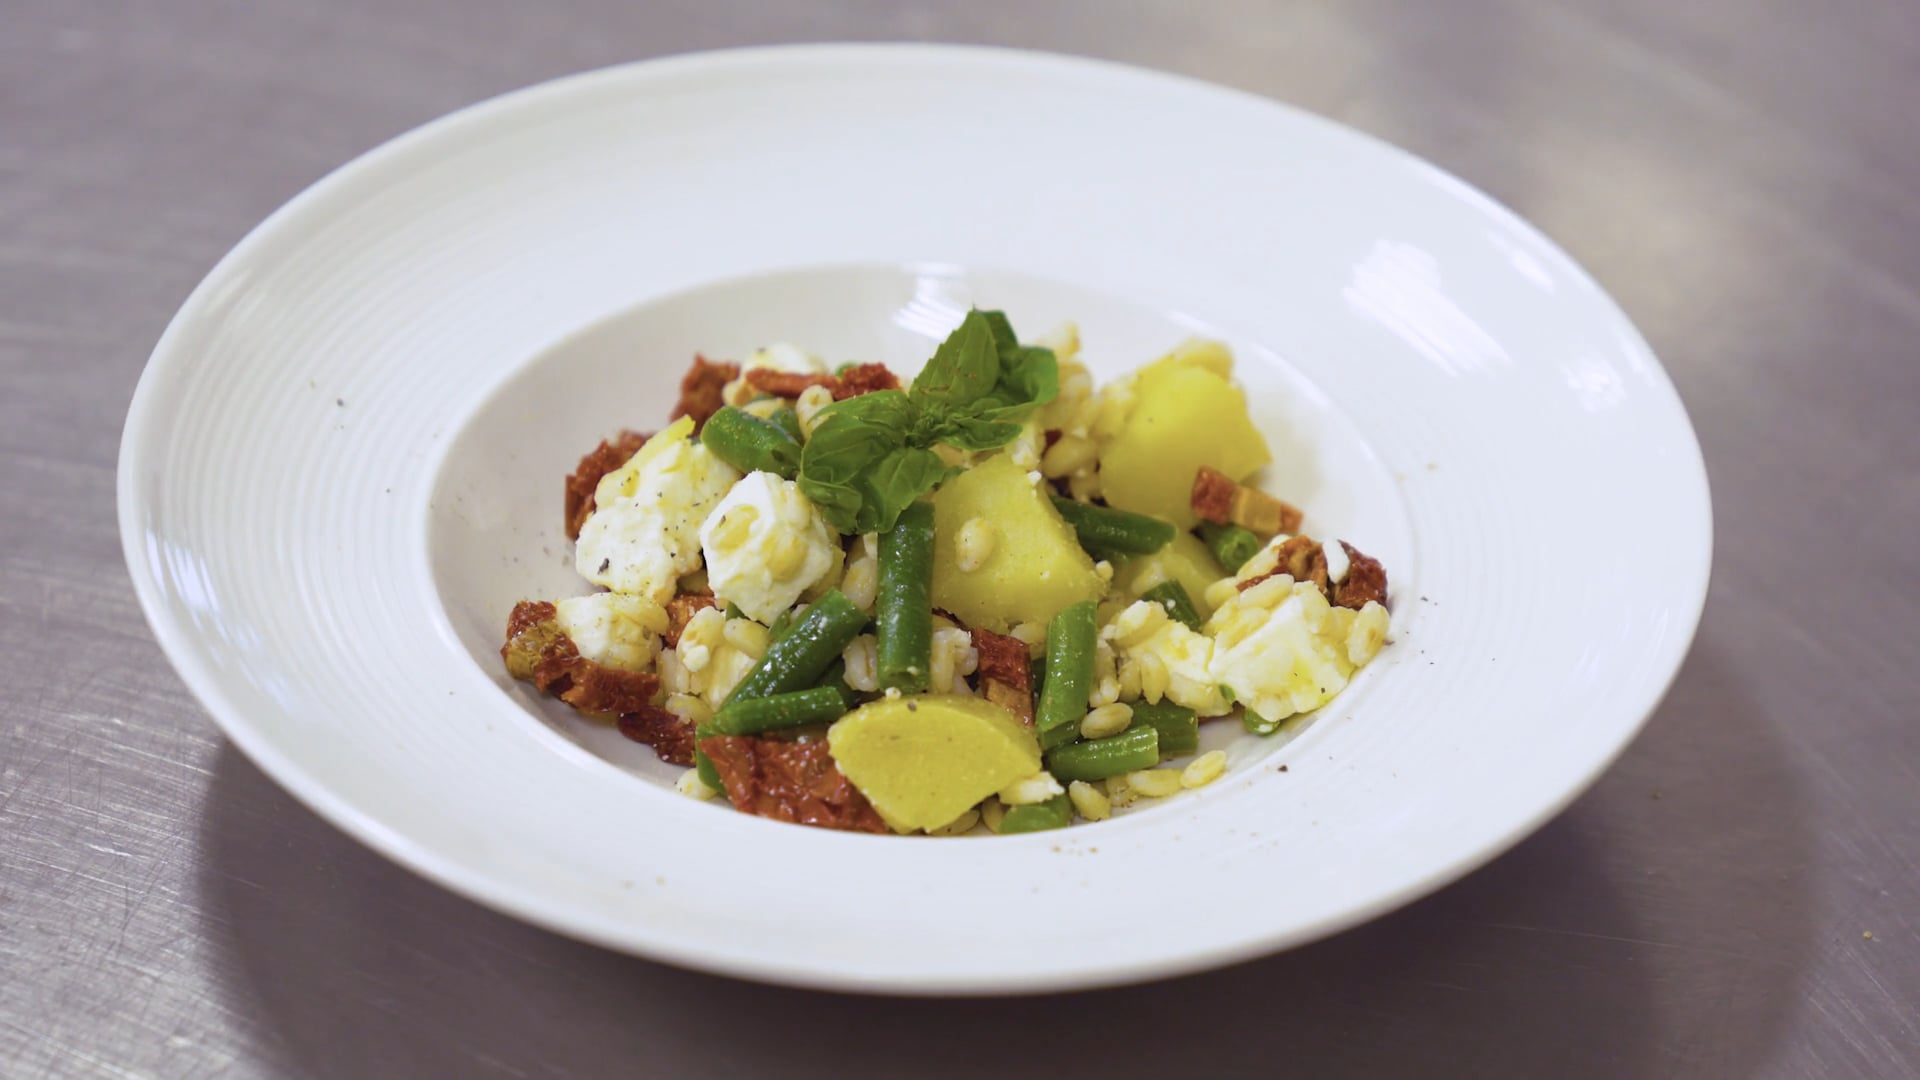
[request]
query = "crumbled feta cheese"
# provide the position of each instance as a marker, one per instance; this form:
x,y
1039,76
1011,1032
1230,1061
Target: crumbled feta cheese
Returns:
x,y
1143,629
1337,562
1037,788
614,629
1281,647
643,535
765,544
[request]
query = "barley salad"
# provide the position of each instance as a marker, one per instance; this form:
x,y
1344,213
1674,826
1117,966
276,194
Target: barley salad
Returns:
x,y
994,596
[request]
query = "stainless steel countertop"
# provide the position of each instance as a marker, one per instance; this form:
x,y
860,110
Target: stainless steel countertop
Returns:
x,y
1744,175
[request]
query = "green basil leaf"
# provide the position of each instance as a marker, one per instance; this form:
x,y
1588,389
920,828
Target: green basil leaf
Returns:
x,y
851,437
838,502
870,456
895,481
1030,375
977,432
1004,338
965,368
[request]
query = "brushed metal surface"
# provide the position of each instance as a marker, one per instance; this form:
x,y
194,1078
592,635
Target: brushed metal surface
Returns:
x,y
1743,176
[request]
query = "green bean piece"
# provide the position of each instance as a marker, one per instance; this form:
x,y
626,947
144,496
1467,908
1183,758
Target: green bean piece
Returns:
x,y
795,662
1055,813
1231,544
1109,531
751,444
734,612
904,603
1058,737
1257,724
799,658
1178,726
835,678
789,421
1063,697
798,708
1135,748
703,765
1173,596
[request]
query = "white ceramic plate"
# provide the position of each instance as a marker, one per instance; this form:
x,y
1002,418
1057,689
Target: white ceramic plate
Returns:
x,y
342,467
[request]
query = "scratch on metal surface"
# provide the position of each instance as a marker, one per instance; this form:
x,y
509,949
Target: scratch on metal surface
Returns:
x,y
1616,938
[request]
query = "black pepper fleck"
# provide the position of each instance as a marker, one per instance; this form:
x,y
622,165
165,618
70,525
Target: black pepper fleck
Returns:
x,y
604,563
342,402
912,707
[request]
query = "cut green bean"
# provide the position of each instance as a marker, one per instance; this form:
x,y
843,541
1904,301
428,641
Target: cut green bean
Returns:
x,y
1063,696
751,444
795,662
835,678
815,705
1058,737
1257,724
1173,596
903,653
1055,813
1231,544
703,765
1110,531
1179,726
1135,748
798,659
789,421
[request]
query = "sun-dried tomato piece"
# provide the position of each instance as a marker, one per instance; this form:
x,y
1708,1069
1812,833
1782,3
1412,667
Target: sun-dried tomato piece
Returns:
x,y
787,384
681,610
790,781
1218,499
1006,676
1366,580
1299,557
593,687
670,736
1304,559
540,652
600,461
1212,498
527,615
865,379
701,390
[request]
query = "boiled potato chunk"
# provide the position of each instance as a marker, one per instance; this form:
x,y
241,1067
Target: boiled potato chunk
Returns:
x,y
1186,561
1200,352
926,759
1036,566
1184,416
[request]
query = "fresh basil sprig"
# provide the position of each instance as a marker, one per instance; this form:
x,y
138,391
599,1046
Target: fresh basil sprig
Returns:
x,y
871,456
